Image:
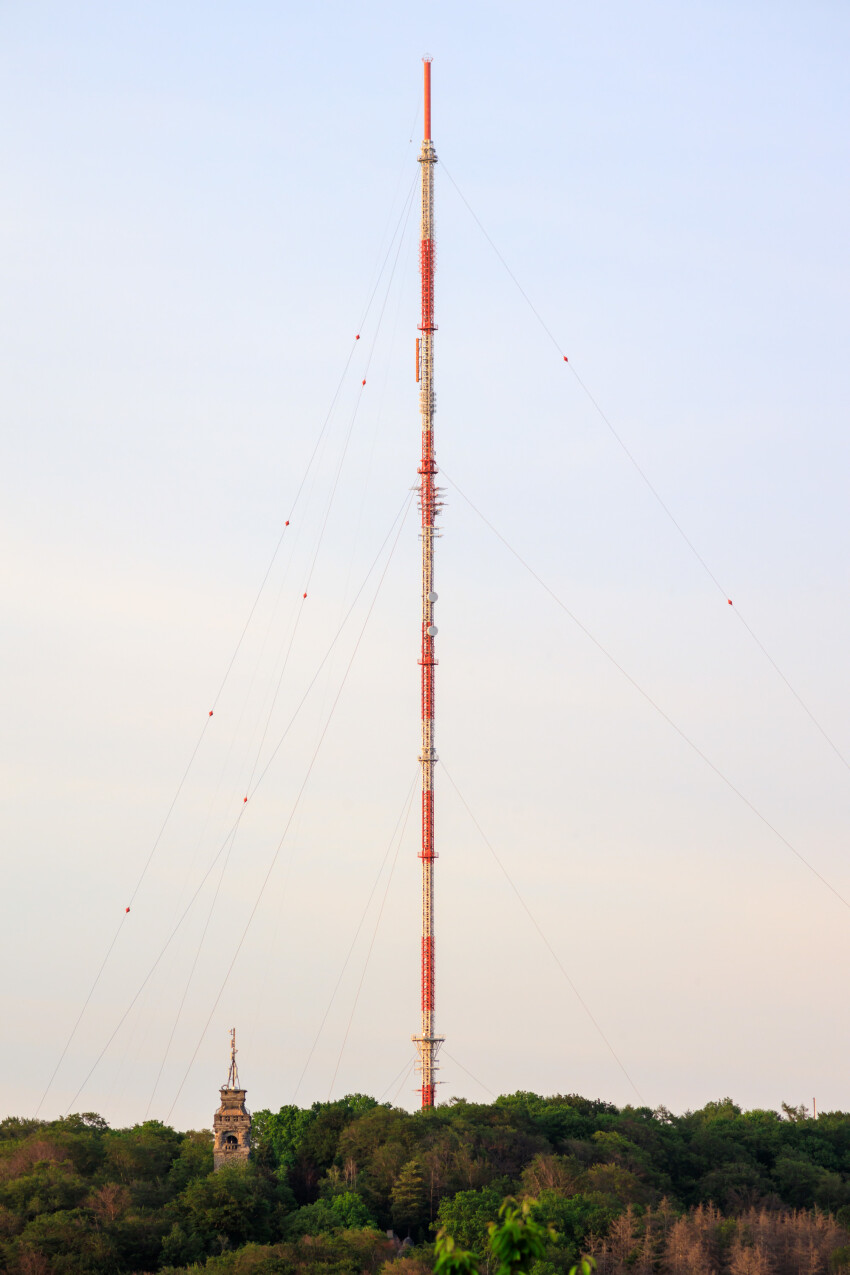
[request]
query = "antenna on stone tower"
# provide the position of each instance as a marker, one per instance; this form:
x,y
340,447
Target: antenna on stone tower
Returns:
x,y
233,1074
232,1121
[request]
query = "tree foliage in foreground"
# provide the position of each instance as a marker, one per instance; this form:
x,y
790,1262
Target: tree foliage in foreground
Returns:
x,y
718,1191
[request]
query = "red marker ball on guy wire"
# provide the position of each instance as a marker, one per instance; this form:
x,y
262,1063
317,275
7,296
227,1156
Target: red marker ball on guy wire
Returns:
x,y
126,910
244,799
286,524
357,338
211,712
364,380
566,360
729,600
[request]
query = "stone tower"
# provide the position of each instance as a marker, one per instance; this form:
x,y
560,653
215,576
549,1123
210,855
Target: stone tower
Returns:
x,y
232,1121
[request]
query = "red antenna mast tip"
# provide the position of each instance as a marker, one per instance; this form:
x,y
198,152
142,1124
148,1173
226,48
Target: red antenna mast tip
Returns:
x,y
427,68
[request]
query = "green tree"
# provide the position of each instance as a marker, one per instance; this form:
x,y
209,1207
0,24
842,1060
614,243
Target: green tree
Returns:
x,y
342,1212
47,1189
575,1219
182,1246
518,1240
228,1208
69,1241
193,1160
303,1144
408,1198
450,1259
466,1216
350,1213
143,1153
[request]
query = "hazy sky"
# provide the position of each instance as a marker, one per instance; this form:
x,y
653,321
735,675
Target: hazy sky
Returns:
x,y
199,205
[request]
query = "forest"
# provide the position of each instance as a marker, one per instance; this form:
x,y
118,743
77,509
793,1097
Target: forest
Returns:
x,y
355,1186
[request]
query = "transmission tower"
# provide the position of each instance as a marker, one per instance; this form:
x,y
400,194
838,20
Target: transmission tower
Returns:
x,y
427,1042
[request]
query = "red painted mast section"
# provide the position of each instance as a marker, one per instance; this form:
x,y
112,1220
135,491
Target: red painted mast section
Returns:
x,y
427,1041
427,129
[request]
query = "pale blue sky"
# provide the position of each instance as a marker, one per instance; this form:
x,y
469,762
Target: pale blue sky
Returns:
x,y
196,202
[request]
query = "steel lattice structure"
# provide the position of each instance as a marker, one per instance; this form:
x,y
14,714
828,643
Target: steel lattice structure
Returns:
x,y
427,1042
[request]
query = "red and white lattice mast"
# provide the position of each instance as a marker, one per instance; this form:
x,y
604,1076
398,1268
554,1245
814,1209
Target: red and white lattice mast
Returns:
x,y
427,1041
